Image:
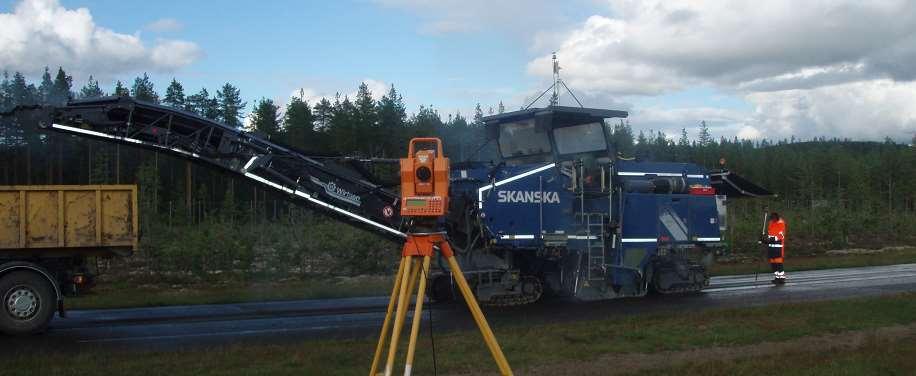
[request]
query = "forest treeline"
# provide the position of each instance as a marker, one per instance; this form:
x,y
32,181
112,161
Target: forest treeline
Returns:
x,y
834,192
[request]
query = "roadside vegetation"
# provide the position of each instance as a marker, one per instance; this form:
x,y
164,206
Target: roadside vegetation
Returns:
x,y
579,347
747,264
127,295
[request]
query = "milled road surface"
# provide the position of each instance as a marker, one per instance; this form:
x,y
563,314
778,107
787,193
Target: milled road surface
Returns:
x,y
167,328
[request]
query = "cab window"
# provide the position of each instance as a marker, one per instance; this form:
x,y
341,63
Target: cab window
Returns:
x,y
522,138
580,138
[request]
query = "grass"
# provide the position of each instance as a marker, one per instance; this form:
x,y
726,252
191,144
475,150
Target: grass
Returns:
x,y
123,295
876,357
525,345
809,262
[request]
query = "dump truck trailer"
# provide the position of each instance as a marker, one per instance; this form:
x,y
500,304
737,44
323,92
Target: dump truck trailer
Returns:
x,y
47,234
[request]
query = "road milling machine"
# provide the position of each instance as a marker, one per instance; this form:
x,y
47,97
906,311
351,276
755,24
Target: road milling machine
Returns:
x,y
560,212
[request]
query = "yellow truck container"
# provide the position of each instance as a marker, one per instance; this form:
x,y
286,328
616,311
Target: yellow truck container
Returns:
x,y
46,234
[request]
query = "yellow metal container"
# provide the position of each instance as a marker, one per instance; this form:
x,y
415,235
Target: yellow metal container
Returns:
x,y
76,218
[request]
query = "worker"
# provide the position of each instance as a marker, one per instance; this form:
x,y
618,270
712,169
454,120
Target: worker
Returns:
x,y
776,245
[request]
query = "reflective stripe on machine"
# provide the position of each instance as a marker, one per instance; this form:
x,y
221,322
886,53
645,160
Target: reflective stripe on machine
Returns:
x,y
639,240
709,239
508,180
661,174
126,139
516,237
775,245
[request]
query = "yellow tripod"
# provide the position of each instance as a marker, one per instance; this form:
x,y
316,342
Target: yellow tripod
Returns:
x,y
424,245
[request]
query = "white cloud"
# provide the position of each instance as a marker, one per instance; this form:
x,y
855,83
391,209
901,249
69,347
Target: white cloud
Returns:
x,y
165,25
748,132
671,120
869,110
41,33
519,18
171,55
812,68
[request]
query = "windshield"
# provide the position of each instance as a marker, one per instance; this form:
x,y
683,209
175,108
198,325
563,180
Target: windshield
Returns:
x,y
580,138
522,138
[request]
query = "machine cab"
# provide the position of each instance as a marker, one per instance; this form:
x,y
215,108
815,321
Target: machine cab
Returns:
x,y
552,134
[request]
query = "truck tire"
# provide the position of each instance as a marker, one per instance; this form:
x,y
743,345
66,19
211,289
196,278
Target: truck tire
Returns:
x,y
27,303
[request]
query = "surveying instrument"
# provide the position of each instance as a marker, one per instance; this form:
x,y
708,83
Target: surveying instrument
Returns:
x,y
424,201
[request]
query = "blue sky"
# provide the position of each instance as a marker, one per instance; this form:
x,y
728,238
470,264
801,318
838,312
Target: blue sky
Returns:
x,y
272,48
820,71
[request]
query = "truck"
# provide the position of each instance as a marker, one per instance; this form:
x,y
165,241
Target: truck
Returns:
x,y
48,234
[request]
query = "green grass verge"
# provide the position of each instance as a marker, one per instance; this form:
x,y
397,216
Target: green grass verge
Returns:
x,y
876,357
798,263
122,295
525,345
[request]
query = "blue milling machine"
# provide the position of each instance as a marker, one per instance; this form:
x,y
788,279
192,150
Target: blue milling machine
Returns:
x,y
562,213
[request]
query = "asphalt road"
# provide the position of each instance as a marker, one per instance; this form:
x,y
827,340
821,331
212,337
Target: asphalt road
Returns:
x,y
177,327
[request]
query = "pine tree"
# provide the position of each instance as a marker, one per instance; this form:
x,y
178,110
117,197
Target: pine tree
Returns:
x,y
365,122
460,136
46,87
6,100
341,129
265,118
323,113
144,90
704,138
230,105
684,141
120,90
21,92
298,124
392,116
478,115
212,109
174,95
91,89
60,89
426,121
683,147
623,138
203,104
642,146
196,103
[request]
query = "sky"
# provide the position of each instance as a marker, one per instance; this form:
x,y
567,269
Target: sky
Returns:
x,y
776,69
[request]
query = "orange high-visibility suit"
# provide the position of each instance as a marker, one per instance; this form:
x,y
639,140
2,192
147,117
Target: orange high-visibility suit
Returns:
x,y
776,232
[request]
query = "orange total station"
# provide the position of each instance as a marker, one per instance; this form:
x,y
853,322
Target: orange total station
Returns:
x,y
424,180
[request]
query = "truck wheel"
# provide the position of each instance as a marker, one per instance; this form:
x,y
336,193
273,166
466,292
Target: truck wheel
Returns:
x,y
28,303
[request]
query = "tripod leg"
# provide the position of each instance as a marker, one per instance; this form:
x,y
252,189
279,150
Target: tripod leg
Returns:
x,y
387,322
485,330
403,301
417,315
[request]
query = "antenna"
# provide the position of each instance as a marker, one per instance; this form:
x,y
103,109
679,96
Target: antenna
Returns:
x,y
555,99
557,82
